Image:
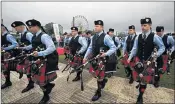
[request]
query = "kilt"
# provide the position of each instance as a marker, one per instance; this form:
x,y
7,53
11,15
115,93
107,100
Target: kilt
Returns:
x,y
21,67
147,76
125,63
8,65
41,77
97,73
66,49
77,61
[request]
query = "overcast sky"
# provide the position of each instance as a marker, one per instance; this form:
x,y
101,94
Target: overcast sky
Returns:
x,y
117,15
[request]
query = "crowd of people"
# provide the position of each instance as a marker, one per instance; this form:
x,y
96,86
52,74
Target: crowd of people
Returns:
x,y
145,56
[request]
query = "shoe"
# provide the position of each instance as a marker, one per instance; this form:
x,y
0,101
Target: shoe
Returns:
x,y
50,87
20,75
77,78
29,87
139,100
156,84
45,99
6,84
131,80
168,73
96,96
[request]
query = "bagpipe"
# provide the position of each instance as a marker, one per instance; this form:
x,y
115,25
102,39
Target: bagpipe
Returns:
x,y
166,61
27,58
8,59
36,67
146,71
66,51
74,62
125,63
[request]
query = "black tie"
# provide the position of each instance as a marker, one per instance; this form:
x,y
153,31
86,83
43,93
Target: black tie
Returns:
x,y
144,36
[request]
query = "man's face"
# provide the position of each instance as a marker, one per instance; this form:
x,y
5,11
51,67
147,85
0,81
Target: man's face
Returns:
x,y
68,35
88,35
19,29
98,28
145,27
74,32
131,31
33,29
111,33
159,33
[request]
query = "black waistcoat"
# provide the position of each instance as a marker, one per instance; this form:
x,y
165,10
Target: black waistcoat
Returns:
x,y
24,40
145,47
52,59
130,43
98,43
74,45
164,39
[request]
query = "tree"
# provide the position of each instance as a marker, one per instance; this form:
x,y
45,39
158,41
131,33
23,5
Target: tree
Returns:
x,y
122,34
49,28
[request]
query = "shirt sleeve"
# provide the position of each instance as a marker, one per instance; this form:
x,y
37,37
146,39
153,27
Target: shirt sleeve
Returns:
x,y
158,41
29,47
171,43
110,43
118,42
83,42
89,50
12,40
134,49
29,37
50,47
124,45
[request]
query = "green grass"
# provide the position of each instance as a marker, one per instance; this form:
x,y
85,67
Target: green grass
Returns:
x,y
166,80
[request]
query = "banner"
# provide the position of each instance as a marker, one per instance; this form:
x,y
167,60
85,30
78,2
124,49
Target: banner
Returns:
x,y
56,32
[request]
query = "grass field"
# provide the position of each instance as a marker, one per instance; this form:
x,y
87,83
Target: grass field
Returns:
x,y
166,80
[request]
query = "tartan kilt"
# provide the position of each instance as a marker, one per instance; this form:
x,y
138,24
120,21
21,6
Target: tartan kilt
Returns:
x,y
42,78
66,49
148,76
77,61
97,73
147,79
125,63
21,67
9,65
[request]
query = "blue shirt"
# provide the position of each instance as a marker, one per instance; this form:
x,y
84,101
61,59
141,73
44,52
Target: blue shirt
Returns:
x,y
12,40
108,42
118,42
157,40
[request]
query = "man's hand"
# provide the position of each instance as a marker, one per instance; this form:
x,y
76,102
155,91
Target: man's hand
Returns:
x,y
35,53
103,54
84,61
128,60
